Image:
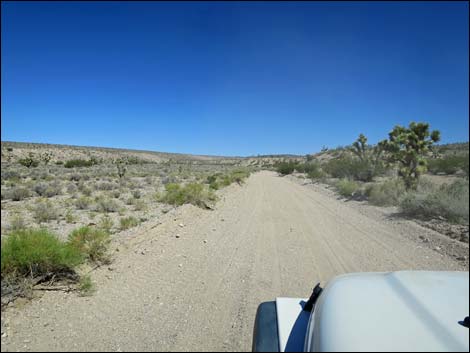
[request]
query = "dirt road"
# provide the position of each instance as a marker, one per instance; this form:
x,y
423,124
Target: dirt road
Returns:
x,y
199,291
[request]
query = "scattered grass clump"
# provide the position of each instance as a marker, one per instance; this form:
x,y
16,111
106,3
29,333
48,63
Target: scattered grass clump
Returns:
x,y
450,201
106,223
347,188
91,242
86,286
128,222
193,193
17,223
36,253
388,193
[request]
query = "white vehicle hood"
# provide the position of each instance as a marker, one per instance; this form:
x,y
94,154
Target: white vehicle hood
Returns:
x,y
398,311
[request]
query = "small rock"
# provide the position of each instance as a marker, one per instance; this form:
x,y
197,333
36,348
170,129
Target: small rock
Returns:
x,y
177,236
222,219
180,265
4,334
142,252
110,268
437,248
462,258
205,241
181,225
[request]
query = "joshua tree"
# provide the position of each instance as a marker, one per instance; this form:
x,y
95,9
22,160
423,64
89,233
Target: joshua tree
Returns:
x,y
408,146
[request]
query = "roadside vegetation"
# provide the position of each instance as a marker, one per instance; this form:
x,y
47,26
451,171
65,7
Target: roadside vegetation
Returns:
x,y
62,206
395,172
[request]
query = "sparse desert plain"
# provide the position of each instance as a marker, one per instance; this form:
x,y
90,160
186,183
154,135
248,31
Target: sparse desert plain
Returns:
x,y
177,251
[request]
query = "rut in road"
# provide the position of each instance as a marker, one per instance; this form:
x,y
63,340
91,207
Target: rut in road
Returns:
x,y
271,237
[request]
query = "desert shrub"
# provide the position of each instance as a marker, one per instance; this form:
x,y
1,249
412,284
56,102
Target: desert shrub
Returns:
x,y
128,222
106,205
195,194
346,187
83,202
29,161
11,175
388,193
239,176
73,163
44,211
313,171
450,201
75,177
105,186
140,205
18,194
70,217
212,178
448,164
136,194
116,194
285,168
92,242
35,253
86,191
71,188
48,190
351,168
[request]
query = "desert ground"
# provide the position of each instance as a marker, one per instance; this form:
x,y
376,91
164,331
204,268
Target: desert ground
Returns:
x,y
190,279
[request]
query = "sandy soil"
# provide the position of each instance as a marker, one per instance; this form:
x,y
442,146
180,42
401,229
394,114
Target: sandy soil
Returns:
x,y
192,280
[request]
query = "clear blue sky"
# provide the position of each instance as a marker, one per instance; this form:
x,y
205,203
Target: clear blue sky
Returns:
x,y
231,78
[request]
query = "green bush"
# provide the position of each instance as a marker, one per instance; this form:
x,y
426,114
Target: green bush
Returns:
x,y
195,194
431,201
388,193
128,222
92,242
352,168
36,253
347,188
72,163
285,168
448,164
29,161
